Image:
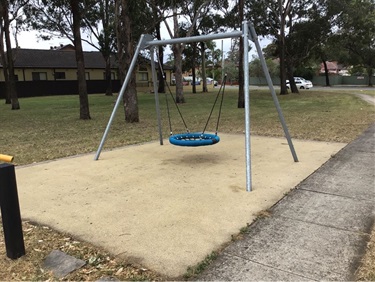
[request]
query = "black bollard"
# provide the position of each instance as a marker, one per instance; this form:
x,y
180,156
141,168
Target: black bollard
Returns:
x,y
10,212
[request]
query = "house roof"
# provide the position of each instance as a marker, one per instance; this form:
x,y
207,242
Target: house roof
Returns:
x,y
36,58
63,59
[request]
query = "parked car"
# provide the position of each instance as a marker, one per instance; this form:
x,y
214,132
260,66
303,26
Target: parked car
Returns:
x,y
189,80
301,83
211,81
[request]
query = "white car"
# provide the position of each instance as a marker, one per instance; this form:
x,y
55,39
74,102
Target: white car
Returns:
x,y
301,83
211,81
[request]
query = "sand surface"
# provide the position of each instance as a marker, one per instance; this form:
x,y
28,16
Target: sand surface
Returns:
x,y
165,207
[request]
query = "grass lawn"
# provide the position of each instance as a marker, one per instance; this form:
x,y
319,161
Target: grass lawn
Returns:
x,y
49,127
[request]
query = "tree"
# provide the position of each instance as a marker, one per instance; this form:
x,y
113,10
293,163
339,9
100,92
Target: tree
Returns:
x,y
62,18
241,79
213,61
190,62
131,17
231,62
177,8
299,27
82,86
210,45
270,18
158,8
256,69
9,64
357,34
209,21
277,18
301,44
3,57
125,53
99,21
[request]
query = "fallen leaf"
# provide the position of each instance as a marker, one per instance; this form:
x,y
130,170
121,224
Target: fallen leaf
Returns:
x,y
119,271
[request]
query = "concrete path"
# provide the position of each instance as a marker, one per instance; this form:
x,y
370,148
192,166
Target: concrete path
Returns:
x,y
369,99
317,232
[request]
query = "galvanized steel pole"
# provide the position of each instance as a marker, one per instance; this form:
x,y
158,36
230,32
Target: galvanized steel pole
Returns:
x,y
156,93
245,31
140,46
254,38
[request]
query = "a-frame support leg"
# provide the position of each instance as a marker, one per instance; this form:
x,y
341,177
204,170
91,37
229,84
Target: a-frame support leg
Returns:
x,y
141,45
254,38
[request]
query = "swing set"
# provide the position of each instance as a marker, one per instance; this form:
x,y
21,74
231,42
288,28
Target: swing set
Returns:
x,y
202,138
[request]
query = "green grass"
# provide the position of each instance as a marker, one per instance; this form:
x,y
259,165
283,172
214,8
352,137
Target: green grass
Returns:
x,y
49,127
192,271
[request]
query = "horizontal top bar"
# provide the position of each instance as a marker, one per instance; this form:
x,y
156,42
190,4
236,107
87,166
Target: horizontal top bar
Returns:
x,y
190,39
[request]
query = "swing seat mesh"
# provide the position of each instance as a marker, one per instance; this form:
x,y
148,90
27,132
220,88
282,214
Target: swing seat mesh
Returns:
x,y
194,139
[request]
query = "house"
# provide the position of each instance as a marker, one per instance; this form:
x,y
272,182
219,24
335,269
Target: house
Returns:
x,y
54,72
334,68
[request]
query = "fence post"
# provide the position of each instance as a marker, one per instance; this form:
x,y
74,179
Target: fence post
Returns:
x,y
10,212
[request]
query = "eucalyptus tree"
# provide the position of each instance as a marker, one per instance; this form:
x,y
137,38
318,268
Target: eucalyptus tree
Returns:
x,y
10,11
256,69
356,34
315,37
62,18
302,43
132,19
232,61
210,21
277,19
241,93
180,8
271,18
77,14
298,27
99,24
159,13
233,17
214,58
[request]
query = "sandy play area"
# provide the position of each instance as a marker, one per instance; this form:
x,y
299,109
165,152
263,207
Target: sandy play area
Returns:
x,y
165,207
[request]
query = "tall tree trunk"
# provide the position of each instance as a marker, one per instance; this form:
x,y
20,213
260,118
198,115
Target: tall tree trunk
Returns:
x,y
203,55
177,53
5,65
105,6
326,72
241,91
370,73
292,83
84,112
283,89
11,87
161,86
108,75
193,59
126,53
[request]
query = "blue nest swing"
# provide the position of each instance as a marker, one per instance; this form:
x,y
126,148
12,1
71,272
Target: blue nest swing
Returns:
x,y
196,139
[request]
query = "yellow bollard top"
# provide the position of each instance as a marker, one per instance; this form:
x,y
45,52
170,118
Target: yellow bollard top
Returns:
x,y
6,158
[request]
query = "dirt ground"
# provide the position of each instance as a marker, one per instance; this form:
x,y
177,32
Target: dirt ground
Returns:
x,y
165,207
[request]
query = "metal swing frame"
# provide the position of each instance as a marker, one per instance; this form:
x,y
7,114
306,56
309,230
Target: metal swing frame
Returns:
x,y
247,33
